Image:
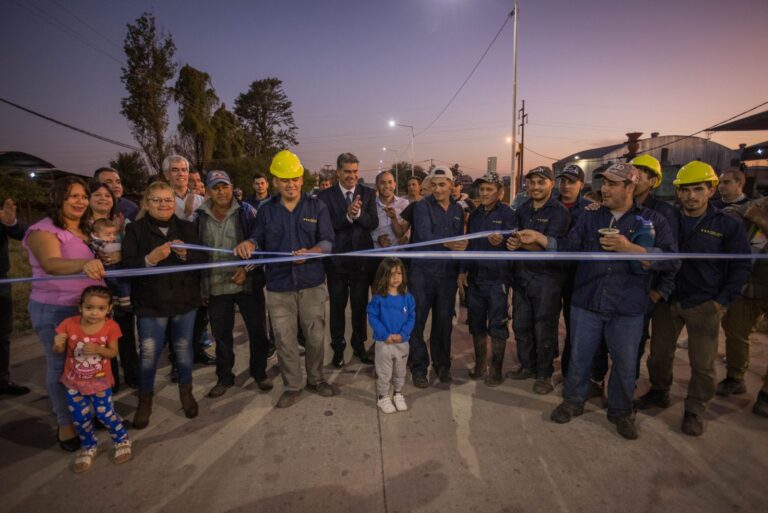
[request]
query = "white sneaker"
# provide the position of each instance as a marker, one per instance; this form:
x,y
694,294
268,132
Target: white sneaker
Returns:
x,y
399,401
385,405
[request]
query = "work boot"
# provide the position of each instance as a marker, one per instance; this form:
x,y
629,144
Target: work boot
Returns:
x,y
188,403
761,405
495,376
144,410
731,386
565,412
625,426
653,398
693,424
288,398
543,386
521,373
481,356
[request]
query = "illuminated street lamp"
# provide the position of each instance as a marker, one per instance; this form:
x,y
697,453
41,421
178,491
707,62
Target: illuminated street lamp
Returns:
x,y
393,123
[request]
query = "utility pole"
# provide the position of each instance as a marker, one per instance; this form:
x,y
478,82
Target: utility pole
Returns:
x,y
523,118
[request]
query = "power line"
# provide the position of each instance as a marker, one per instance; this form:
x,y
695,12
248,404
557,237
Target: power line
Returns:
x,y
477,64
67,125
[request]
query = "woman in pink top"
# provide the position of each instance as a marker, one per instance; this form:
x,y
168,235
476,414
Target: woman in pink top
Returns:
x,y
57,245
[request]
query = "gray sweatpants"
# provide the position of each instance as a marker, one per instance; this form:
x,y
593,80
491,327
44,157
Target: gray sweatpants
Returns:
x,y
391,363
309,306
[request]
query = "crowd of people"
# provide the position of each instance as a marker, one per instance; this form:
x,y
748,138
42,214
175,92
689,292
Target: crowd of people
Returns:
x,y
611,307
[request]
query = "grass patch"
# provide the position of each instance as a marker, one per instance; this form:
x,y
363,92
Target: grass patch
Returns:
x,y
19,291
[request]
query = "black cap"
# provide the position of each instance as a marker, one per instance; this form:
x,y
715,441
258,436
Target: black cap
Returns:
x,y
572,171
542,171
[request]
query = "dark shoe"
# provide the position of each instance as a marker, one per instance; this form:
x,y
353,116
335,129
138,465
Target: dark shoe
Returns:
x,y
495,374
521,373
11,388
218,390
174,375
338,359
288,398
420,381
543,386
188,403
625,426
265,384
364,357
731,386
204,358
481,357
70,444
693,424
565,412
444,375
271,351
653,399
322,389
596,389
143,411
132,384
761,405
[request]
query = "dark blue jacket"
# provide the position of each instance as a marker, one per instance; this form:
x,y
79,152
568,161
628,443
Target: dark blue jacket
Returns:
x,y
552,219
704,280
277,229
431,222
664,281
17,232
612,287
501,218
354,235
576,210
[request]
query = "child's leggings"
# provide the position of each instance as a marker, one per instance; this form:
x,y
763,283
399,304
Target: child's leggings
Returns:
x,y
82,406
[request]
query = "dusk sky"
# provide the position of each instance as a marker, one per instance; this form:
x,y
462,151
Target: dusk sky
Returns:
x,y
589,71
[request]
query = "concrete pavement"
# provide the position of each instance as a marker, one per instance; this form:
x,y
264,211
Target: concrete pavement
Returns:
x,y
460,448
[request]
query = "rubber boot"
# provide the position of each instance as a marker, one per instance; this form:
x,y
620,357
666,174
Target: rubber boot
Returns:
x,y
495,377
188,403
481,356
144,410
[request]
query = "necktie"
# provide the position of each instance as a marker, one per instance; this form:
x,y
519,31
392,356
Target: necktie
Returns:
x,y
349,198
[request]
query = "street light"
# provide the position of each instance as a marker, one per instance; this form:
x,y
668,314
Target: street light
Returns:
x,y
393,123
396,161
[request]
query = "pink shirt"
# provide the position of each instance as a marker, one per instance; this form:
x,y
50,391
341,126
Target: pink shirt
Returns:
x,y
58,292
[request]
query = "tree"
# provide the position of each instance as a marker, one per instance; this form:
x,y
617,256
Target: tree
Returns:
x,y
267,118
404,173
133,174
228,136
150,65
196,99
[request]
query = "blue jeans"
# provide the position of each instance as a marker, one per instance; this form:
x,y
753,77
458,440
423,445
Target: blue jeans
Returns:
x,y
439,295
45,318
621,333
152,332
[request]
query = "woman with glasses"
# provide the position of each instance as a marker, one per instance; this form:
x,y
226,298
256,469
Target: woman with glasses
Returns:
x,y
164,301
58,245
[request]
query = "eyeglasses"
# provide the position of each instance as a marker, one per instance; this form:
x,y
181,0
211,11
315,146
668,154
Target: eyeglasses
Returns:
x,y
161,201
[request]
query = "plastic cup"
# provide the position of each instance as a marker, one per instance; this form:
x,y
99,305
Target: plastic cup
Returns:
x,y
608,231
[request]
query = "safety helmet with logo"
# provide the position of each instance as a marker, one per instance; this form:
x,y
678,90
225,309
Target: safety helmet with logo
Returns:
x,y
696,172
286,165
648,163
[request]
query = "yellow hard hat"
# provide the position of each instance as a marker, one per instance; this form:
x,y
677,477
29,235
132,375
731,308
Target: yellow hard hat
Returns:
x,y
695,172
286,165
648,162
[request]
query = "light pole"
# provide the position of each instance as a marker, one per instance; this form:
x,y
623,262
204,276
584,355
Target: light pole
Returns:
x,y
393,124
513,175
397,184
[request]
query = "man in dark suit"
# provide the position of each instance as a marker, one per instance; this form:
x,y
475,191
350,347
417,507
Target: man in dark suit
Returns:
x,y
353,214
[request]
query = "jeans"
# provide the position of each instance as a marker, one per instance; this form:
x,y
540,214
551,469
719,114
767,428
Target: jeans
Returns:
x,y
45,318
349,287
535,316
439,295
221,312
487,309
129,357
152,338
621,333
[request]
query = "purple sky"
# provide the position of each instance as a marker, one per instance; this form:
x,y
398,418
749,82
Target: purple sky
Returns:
x,y
589,72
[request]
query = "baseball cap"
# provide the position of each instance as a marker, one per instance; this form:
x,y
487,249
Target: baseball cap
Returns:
x,y
441,172
542,171
491,177
216,177
573,172
621,171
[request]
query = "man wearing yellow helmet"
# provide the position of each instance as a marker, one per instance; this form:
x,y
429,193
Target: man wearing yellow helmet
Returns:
x,y
703,289
294,222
